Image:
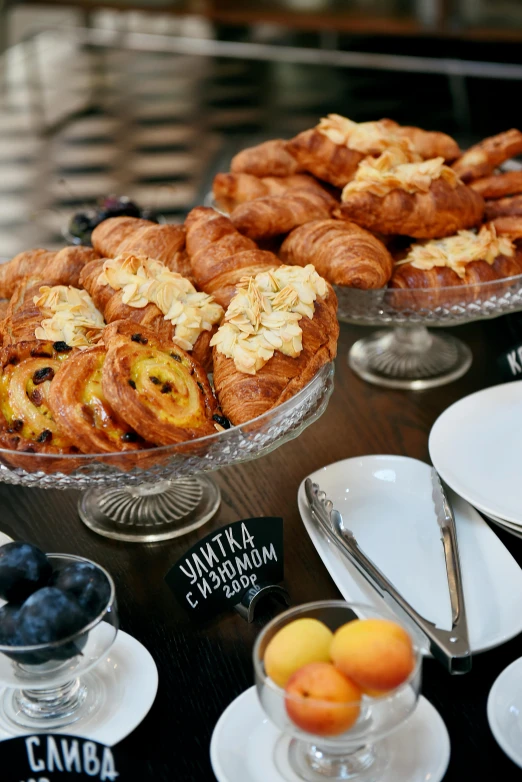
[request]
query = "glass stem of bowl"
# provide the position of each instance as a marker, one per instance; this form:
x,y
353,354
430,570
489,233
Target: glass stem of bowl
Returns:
x,y
51,704
311,762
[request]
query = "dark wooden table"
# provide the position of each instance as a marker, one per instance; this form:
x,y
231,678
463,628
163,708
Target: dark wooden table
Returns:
x,y
203,668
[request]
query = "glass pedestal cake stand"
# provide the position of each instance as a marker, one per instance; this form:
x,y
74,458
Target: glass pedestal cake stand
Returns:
x,y
407,355
161,493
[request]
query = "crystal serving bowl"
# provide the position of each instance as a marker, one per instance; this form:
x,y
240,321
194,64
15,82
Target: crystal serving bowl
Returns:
x,y
161,493
408,355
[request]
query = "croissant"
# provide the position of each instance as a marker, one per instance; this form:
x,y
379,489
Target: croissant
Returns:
x,y
27,373
482,159
58,268
156,387
316,153
22,317
80,409
268,217
503,207
220,255
499,185
428,143
271,158
134,236
342,253
510,226
232,189
252,374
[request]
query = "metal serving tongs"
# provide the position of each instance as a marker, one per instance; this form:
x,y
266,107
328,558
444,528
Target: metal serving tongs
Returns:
x,y
450,647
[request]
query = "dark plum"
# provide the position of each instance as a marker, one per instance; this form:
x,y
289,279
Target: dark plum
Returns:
x,y
149,214
50,615
117,206
9,624
23,570
81,225
87,584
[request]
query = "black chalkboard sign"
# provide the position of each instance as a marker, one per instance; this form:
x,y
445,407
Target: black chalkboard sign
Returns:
x,y
510,363
58,758
217,571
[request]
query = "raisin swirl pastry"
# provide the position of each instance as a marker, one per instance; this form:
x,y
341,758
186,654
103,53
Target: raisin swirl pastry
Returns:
x,y
160,390
28,371
81,410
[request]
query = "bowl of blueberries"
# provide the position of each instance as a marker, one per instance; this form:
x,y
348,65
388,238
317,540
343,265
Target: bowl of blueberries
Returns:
x,y
82,224
58,619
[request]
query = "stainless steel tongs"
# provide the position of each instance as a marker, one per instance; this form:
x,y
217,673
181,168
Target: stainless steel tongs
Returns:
x,y
450,647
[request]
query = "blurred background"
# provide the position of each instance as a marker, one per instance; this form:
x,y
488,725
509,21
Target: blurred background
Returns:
x,y
149,98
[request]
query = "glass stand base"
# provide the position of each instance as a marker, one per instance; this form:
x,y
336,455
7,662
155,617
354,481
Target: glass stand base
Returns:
x,y
312,764
152,511
409,357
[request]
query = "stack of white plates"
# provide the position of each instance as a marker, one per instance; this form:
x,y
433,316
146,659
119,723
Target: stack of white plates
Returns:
x,y
476,446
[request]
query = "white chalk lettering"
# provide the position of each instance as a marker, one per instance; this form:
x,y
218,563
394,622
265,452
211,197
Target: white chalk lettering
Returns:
x,y
54,762
231,540
204,588
91,764
200,566
71,756
191,574
108,769
270,554
216,581
34,765
256,557
243,564
210,555
248,540
217,537
192,603
226,570
513,363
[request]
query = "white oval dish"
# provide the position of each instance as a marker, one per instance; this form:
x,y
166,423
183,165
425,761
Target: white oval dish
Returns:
x,y
504,708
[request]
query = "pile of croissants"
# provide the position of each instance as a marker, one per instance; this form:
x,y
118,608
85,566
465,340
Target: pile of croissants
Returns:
x,y
378,204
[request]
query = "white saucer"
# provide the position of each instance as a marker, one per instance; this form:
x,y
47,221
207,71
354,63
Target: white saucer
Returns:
x,y
4,539
246,747
387,502
129,679
476,447
504,709
507,526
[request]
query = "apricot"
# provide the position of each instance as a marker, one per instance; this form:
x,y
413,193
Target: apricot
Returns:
x,y
296,644
320,700
375,653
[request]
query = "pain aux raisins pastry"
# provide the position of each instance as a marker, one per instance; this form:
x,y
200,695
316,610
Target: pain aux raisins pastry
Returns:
x,y
279,329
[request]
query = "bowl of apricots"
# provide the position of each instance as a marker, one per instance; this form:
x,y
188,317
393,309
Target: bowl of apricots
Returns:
x,y
337,679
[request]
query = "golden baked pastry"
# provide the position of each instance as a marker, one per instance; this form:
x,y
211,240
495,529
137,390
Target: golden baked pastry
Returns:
x,y
81,410
271,158
134,236
390,195
501,207
26,421
279,329
499,185
57,268
341,252
510,226
318,154
230,190
265,218
161,391
220,255
483,158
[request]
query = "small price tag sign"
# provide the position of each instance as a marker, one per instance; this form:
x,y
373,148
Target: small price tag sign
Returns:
x,y
57,758
510,363
219,570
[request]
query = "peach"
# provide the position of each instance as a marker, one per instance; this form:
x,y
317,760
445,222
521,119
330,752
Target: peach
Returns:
x,y
375,653
296,644
320,700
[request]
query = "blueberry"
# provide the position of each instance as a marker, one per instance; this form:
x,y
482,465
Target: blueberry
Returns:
x,y
50,615
87,584
23,570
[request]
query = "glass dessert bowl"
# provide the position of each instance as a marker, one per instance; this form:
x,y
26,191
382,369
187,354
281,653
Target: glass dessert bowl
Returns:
x,y
407,355
49,685
338,737
160,493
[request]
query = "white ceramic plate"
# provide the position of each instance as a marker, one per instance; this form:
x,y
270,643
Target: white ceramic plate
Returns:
x,y
476,446
506,526
387,502
504,709
129,680
246,747
4,539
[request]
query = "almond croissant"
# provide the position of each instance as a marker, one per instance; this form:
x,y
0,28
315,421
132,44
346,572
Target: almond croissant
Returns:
x,y
220,255
342,253
271,158
265,218
132,235
316,153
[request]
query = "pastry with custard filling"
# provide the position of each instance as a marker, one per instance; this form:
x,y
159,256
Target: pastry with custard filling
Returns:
x,y
161,391
279,330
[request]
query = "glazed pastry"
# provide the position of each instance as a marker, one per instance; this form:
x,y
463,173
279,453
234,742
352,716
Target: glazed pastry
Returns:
x,y
276,215
482,159
220,255
467,258
279,329
342,253
271,158
157,388
232,189
81,410
132,235
503,207
145,291
58,268
390,195
27,424
499,185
